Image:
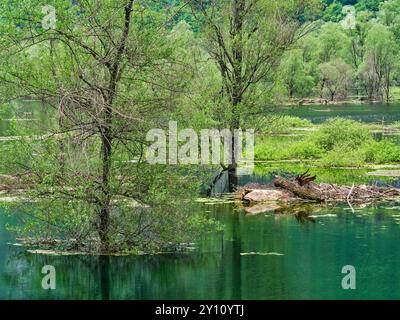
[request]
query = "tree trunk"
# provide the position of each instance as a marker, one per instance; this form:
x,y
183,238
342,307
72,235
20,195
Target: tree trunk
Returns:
x,y
233,179
387,86
61,159
104,210
107,134
321,92
237,85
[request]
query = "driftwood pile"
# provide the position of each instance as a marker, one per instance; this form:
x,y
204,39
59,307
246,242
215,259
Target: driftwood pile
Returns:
x,y
303,187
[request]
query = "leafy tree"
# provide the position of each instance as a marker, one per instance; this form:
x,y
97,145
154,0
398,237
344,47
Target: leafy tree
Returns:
x,y
246,39
336,77
358,36
296,80
333,12
368,5
380,62
333,42
111,70
389,15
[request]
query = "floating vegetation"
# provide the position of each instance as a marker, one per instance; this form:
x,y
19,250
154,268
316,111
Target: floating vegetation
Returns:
x,y
214,201
14,196
384,166
56,253
15,244
179,247
385,173
12,199
328,215
261,254
74,253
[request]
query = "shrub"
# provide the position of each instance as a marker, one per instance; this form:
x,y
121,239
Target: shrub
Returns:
x,y
305,149
337,143
295,122
343,156
274,148
269,149
383,151
343,132
396,124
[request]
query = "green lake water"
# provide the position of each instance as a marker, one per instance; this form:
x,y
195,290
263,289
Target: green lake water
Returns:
x,y
304,259
313,255
25,114
387,113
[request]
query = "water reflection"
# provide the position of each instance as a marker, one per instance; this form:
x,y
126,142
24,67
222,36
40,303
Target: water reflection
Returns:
x,y
313,254
314,244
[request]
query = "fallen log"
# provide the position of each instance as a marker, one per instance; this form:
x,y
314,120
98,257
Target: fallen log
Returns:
x,y
305,192
303,188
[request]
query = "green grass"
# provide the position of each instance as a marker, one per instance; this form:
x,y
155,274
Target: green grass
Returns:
x,y
278,124
336,143
285,148
338,175
395,93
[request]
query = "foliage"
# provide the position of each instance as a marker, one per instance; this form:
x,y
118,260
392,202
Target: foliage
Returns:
x,y
384,151
277,124
380,62
270,148
342,155
336,79
336,143
368,5
90,168
246,41
333,12
112,70
341,176
333,42
295,77
389,14
368,52
344,132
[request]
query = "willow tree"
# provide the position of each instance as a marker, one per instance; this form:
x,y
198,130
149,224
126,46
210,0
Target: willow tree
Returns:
x,y
380,62
108,67
246,39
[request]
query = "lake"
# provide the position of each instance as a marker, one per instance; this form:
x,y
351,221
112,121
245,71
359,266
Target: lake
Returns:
x,y
368,113
265,256
309,264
